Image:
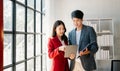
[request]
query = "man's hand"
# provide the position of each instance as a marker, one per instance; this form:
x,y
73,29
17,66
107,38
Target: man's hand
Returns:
x,y
86,51
72,56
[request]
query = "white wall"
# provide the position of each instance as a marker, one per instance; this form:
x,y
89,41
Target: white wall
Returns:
x,y
91,8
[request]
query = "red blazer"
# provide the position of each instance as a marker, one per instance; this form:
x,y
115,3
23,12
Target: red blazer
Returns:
x,y
59,63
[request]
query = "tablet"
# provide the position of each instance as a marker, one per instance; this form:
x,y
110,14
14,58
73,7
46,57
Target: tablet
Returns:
x,y
70,49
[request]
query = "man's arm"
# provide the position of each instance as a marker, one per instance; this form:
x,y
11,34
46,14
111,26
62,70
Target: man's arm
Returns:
x,y
93,37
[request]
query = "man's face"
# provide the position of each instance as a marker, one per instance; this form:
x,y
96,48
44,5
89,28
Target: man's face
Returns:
x,y
77,22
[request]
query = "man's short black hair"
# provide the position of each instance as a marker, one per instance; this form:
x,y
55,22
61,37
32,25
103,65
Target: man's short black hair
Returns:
x,y
77,14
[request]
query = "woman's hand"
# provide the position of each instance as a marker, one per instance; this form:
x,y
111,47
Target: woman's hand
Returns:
x,y
72,56
62,48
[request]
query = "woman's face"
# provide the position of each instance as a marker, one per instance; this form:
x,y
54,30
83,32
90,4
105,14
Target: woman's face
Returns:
x,y
60,30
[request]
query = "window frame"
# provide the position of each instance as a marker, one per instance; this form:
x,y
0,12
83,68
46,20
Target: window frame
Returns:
x,y
25,33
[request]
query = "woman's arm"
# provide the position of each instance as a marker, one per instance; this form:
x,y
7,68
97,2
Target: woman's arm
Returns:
x,y
52,51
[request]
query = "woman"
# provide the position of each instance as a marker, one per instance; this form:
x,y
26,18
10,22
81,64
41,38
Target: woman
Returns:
x,y
56,47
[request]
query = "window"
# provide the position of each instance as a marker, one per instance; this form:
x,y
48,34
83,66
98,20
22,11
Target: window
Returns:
x,y
22,35
20,18
8,49
20,47
8,69
8,36
20,67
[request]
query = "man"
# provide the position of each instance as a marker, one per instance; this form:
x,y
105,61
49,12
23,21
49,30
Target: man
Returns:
x,y
85,37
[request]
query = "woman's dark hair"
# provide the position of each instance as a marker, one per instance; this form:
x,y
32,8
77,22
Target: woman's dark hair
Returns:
x,y
56,24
